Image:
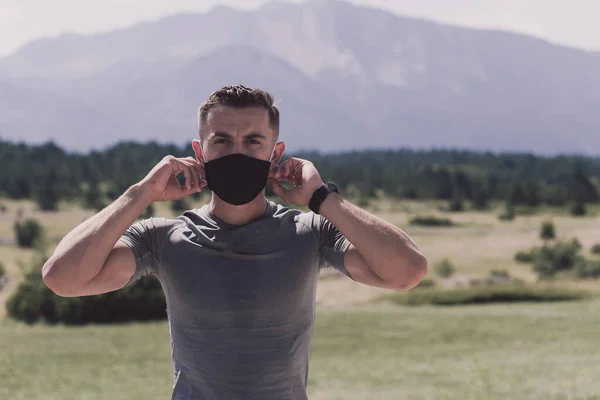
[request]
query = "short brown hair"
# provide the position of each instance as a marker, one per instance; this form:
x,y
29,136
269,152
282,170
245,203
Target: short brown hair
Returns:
x,y
239,96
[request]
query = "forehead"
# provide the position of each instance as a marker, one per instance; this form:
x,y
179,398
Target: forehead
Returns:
x,y
238,120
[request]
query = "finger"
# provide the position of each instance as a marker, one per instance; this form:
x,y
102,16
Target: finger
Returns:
x,y
276,172
278,189
184,191
201,174
287,168
186,174
194,179
196,175
295,175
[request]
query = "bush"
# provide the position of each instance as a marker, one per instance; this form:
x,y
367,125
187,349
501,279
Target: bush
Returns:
x,y
486,295
93,198
2,275
431,221
596,249
509,213
456,204
28,232
148,212
587,269
526,256
499,273
444,268
578,209
363,202
180,205
563,256
426,284
547,231
33,302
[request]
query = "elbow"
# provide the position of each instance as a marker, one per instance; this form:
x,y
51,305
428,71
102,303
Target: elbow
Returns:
x,y
410,273
52,280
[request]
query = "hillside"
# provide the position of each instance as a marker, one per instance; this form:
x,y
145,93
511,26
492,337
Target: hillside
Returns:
x,y
345,76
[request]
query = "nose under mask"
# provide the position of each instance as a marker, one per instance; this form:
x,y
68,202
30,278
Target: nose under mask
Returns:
x,y
237,178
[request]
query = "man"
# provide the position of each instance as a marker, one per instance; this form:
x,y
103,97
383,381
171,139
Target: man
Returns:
x,y
239,274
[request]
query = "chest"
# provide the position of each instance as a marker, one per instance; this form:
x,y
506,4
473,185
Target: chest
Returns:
x,y
269,272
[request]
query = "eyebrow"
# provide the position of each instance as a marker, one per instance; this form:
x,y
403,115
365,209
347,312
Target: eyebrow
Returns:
x,y
252,135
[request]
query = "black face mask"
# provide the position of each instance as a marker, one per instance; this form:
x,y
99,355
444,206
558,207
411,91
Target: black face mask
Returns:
x,y
237,178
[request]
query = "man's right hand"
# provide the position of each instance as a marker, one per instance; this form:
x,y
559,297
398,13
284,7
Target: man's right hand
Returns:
x,y
161,183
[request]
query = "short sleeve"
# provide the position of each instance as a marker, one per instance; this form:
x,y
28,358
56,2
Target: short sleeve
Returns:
x,y
332,244
146,239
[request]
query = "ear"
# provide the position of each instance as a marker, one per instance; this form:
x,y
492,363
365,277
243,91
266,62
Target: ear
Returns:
x,y
198,151
277,154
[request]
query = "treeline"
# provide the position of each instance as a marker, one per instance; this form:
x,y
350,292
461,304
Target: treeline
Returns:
x,y
47,174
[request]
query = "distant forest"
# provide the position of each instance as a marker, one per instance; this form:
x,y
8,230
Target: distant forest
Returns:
x,y
47,174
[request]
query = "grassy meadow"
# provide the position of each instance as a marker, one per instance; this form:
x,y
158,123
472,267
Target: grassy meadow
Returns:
x,y
363,348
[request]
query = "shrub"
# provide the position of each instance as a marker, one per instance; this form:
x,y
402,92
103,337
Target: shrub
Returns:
x,y
588,269
486,295
363,202
33,302
28,232
596,249
526,256
547,231
429,220
444,268
509,213
426,284
563,256
578,209
499,273
180,205
93,199
506,217
148,212
2,275
456,204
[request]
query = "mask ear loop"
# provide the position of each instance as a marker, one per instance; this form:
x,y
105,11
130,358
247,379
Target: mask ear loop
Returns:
x,y
272,153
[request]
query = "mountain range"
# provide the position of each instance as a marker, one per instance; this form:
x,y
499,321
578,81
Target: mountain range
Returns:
x,y
345,77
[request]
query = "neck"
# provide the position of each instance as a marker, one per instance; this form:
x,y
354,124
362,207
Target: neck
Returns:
x,y
238,215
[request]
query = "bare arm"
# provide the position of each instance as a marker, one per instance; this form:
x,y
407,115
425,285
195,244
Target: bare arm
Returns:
x,y
90,259
381,254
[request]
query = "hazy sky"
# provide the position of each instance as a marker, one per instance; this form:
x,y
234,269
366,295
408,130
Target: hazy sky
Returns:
x,y
572,22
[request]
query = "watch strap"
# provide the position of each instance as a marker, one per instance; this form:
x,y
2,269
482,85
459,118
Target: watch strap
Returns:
x,y
319,196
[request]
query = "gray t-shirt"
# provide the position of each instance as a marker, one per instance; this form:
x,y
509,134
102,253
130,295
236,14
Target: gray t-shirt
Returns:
x,y
240,299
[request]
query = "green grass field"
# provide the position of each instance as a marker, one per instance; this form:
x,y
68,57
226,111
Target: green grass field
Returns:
x,y
361,349
533,351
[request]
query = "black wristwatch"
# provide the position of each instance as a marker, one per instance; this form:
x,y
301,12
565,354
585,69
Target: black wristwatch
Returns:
x,y
320,195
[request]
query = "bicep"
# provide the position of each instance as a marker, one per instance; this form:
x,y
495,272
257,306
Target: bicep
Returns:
x,y
117,271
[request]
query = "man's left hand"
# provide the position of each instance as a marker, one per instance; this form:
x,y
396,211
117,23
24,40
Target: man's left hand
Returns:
x,y
304,177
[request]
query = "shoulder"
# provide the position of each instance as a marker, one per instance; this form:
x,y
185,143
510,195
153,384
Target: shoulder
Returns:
x,y
158,224
305,220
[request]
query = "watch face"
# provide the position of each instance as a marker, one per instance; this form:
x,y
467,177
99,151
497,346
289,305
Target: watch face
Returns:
x,y
332,187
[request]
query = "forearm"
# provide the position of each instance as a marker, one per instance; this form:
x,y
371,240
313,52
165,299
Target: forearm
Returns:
x,y
386,249
81,254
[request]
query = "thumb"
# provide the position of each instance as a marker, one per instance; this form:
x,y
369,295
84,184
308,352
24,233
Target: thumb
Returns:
x,y
184,191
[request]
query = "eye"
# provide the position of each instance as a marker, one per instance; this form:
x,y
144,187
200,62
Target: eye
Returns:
x,y
221,141
253,141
